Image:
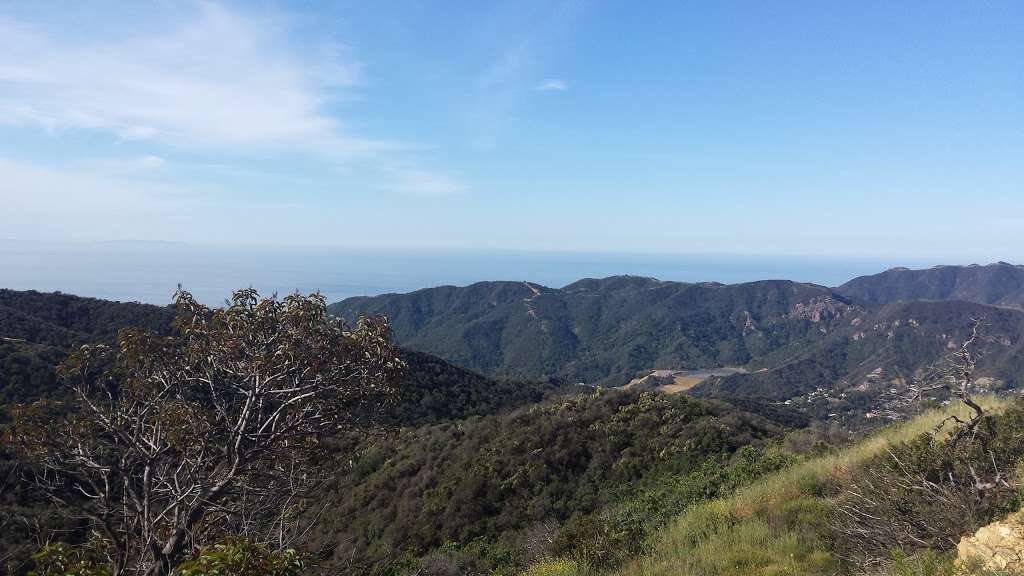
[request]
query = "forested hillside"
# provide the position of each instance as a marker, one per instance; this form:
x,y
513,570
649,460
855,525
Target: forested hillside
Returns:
x,y
603,331
860,367
999,284
468,473
39,330
56,319
894,504
835,357
435,391
587,475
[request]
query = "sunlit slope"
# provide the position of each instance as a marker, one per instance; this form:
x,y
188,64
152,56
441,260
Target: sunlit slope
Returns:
x,y
777,526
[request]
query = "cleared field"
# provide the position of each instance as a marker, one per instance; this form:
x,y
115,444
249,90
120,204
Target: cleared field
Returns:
x,y
676,381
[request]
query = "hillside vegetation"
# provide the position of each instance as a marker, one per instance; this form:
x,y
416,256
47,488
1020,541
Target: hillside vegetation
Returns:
x,y
522,469
859,362
37,329
999,284
41,329
602,331
835,357
786,523
475,472
57,319
491,493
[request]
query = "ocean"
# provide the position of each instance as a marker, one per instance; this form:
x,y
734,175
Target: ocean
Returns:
x,y
150,272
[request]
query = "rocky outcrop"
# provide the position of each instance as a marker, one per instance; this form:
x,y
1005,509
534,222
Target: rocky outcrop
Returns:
x,y
820,309
998,546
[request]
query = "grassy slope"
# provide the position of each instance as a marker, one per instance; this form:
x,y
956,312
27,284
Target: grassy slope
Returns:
x,y
777,526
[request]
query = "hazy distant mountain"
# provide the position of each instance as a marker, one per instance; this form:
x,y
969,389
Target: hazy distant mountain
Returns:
x,y
998,284
603,331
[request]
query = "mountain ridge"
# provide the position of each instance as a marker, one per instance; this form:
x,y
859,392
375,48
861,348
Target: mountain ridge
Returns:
x,y
798,341
999,284
599,331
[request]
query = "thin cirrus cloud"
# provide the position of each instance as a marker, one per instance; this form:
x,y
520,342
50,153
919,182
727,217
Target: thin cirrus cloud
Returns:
x,y
214,80
217,81
553,85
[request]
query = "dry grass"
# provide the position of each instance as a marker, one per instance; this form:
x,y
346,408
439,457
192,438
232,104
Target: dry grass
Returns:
x,y
777,526
681,384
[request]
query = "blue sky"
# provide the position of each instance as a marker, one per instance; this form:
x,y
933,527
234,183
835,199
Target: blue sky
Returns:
x,y
817,128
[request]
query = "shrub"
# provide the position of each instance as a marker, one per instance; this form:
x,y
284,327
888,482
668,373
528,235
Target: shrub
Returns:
x,y
240,557
557,567
60,559
624,530
927,493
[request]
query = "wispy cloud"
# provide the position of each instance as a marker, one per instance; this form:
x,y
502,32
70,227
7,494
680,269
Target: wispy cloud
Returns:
x,y
215,82
552,85
525,39
217,79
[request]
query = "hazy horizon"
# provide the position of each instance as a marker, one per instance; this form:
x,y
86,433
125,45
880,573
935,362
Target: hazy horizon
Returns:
x,y
146,272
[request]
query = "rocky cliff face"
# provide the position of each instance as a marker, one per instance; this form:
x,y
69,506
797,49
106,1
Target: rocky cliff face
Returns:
x,y
998,546
821,309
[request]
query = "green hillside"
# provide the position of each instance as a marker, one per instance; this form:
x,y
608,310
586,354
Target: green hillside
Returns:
x,y
798,343
584,475
856,366
999,284
603,331
473,474
790,522
57,319
38,331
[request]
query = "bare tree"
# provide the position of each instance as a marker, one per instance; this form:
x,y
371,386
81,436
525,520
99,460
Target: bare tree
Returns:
x,y
954,375
167,443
